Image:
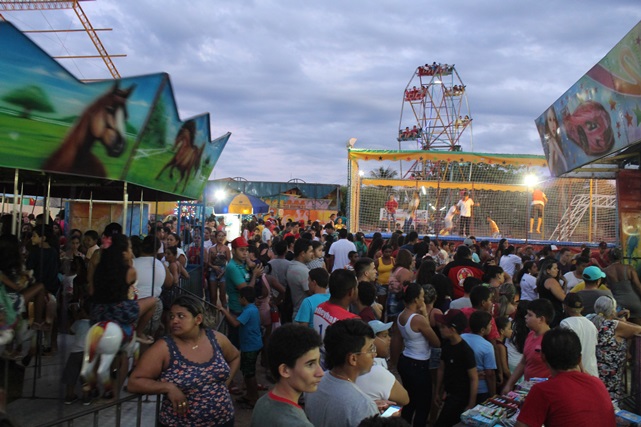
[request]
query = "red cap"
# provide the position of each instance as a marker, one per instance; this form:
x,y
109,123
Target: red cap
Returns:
x,y
453,318
239,242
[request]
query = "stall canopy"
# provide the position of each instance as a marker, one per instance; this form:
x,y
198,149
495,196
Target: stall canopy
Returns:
x,y
243,204
107,132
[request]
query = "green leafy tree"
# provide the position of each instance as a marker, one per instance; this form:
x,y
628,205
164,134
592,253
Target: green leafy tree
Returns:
x,y
156,129
29,98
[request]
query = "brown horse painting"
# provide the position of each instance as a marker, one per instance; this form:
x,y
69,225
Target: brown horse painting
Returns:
x,y
103,121
186,157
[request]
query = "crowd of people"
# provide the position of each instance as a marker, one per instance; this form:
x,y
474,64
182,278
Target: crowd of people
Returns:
x,y
333,318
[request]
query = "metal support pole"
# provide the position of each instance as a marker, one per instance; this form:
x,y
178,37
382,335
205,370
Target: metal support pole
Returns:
x,y
15,192
19,219
141,211
90,208
590,215
125,198
48,203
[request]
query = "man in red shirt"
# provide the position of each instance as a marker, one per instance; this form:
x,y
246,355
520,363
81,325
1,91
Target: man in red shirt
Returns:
x,y
459,269
390,206
343,291
570,397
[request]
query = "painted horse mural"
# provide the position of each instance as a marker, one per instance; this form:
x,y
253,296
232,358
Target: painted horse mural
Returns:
x,y
104,120
105,341
186,155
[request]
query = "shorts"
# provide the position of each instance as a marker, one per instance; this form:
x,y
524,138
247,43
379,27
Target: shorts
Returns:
x,y
214,277
435,358
124,312
449,223
248,361
537,211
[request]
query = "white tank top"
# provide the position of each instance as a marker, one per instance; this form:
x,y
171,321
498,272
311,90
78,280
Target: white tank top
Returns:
x,y
416,346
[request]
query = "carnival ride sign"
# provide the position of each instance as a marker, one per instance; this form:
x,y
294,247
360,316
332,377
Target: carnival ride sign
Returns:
x,y
126,129
600,114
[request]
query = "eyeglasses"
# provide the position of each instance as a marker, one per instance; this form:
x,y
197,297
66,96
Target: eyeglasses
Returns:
x,y
371,350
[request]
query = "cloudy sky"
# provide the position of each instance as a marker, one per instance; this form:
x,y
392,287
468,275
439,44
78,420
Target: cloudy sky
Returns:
x,y
293,81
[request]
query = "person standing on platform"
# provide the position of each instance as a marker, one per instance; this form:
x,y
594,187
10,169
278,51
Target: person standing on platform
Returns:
x,y
465,207
390,208
537,207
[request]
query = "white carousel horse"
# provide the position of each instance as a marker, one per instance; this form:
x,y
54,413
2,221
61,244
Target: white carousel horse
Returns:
x,y
104,341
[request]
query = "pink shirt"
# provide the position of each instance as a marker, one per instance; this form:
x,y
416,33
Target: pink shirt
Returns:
x,y
534,365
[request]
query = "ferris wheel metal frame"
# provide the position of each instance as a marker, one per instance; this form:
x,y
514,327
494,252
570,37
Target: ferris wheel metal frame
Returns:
x,y
435,112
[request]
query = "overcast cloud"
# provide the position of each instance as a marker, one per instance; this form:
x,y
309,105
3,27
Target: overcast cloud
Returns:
x,y
293,81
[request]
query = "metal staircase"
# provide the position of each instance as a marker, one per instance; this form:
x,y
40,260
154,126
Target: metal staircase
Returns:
x,y
574,213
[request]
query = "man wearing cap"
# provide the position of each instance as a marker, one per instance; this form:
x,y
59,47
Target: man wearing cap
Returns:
x,y
238,276
592,277
379,383
585,329
469,242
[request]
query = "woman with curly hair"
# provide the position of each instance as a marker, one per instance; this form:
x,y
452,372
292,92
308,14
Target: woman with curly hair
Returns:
x,y
114,277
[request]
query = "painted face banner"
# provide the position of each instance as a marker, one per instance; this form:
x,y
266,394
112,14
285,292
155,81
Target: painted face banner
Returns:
x,y
126,130
600,114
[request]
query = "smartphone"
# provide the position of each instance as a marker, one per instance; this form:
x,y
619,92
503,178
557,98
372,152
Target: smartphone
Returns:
x,y
391,411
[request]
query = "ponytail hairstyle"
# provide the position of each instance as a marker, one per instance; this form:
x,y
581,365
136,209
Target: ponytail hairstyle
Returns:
x,y
410,292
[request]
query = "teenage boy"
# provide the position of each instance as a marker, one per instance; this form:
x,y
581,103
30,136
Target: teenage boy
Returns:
x,y
570,397
251,341
293,355
350,351
540,313
457,377
481,299
318,281
343,291
480,325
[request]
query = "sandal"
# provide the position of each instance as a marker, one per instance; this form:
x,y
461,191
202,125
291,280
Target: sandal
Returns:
x,y
262,387
235,390
40,326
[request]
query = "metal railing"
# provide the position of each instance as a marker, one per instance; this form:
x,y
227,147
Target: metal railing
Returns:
x,y
95,412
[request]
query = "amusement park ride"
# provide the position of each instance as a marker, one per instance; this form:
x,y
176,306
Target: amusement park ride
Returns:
x,y
49,5
435,115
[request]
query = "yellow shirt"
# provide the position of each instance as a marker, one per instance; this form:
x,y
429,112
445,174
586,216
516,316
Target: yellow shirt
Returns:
x,y
581,286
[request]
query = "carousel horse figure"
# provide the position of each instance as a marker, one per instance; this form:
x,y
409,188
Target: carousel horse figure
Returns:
x,y
104,120
105,341
187,156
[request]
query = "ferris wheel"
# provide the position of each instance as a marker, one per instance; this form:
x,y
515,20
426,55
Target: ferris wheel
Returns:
x,y
435,114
